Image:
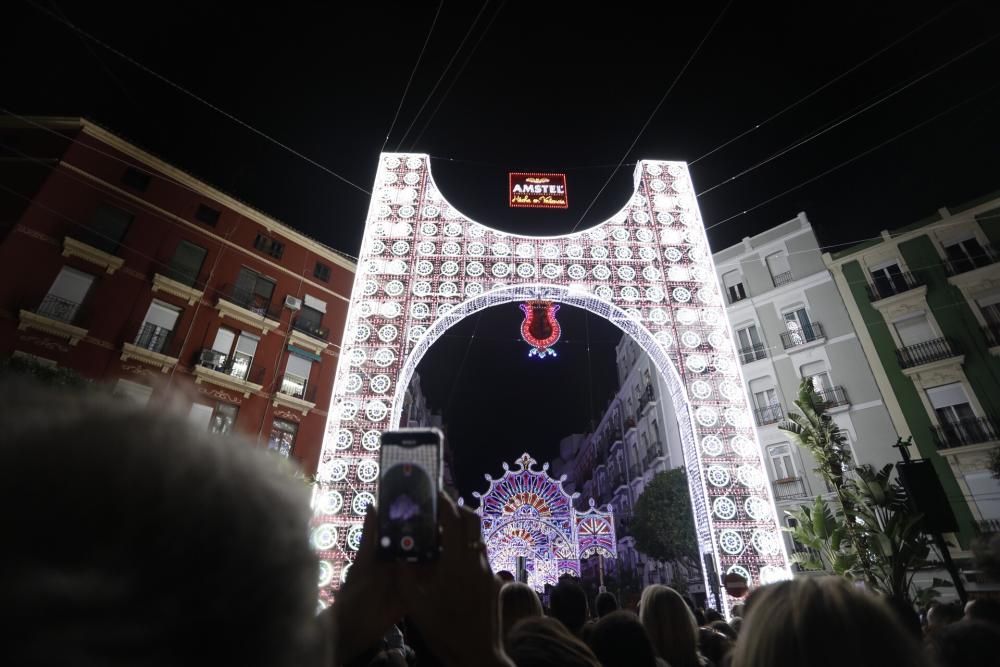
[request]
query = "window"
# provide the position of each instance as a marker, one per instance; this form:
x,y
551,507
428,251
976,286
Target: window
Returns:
x,y
733,282
751,347
253,291
200,416
990,308
186,263
224,418
888,279
135,179
765,398
656,432
817,373
133,391
269,246
296,376
235,360
157,326
951,404
66,295
107,228
781,461
322,271
777,264
207,214
966,255
913,330
282,438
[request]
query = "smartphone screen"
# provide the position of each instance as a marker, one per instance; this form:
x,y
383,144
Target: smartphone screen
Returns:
x,y
410,476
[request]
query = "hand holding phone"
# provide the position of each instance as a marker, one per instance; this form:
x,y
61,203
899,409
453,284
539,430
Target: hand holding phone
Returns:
x,y
409,481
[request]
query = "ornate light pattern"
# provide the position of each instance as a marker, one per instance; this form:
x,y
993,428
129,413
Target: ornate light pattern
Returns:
x,y
659,229
540,328
528,513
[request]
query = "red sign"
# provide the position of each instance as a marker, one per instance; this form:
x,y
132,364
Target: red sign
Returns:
x,y
538,190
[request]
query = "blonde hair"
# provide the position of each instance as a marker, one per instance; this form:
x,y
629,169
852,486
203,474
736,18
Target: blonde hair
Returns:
x,y
822,622
670,625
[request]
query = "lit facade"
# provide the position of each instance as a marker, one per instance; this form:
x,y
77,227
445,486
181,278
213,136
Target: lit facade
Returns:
x,y
129,271
925,300
790,323
425,266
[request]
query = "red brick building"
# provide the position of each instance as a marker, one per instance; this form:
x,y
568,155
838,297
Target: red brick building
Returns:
x,y
129,271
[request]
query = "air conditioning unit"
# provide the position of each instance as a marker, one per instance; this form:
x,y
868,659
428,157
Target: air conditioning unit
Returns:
x,y
293,303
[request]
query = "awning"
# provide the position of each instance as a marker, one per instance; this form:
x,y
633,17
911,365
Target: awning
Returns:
x,y
305,354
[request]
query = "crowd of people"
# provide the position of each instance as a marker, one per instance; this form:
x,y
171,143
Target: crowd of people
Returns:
x,y
130,539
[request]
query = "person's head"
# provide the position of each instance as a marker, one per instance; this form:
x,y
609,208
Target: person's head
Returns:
x,y
545,642
940,615
736,624
822,622
670,625
906,615
131,538
505,577
965,644
724,628
568,604
605,604
713,644
619,640
517,602
983,609
712,615
737,610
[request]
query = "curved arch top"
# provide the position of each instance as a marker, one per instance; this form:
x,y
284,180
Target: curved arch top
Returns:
x,y
622,212
424,266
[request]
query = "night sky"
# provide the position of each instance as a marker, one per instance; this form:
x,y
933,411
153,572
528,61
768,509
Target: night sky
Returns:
x,y
536,86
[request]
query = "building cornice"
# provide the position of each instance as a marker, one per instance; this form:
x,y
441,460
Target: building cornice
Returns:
x,y
186,180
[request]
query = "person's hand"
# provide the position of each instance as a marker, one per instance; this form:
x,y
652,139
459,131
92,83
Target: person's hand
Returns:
x,y
454,601
368,604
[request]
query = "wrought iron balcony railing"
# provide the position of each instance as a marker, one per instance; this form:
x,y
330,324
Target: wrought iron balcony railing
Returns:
x,y
251,301
955,265
645,399
155,339
57,308
782,278
754,352
833,397
237,366
894,284
801,336
926,352
769,414
791,487
311,328
965,432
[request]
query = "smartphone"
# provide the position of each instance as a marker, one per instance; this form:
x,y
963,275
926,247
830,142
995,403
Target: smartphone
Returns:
x,y
409,480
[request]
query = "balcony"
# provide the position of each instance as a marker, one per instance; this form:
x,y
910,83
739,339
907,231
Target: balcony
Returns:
x,y
752,353
646,399
957,266
154,346
629,423
965,432
832,398
309,335
926,353
782,278
653,453
634,471
769,414
249,308
809,333
163,283
790,487
898,283
56,316
294,394
74,248
233,373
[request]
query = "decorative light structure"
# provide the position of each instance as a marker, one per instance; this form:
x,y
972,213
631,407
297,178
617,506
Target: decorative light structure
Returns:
x,y
526,513
424,266
540,328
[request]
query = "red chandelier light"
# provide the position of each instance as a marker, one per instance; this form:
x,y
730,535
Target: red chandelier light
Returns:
x,y
540,328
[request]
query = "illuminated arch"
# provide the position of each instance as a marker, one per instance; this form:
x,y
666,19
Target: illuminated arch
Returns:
x,y
424,266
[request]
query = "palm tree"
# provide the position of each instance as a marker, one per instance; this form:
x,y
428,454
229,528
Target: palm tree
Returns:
x,y
816,432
